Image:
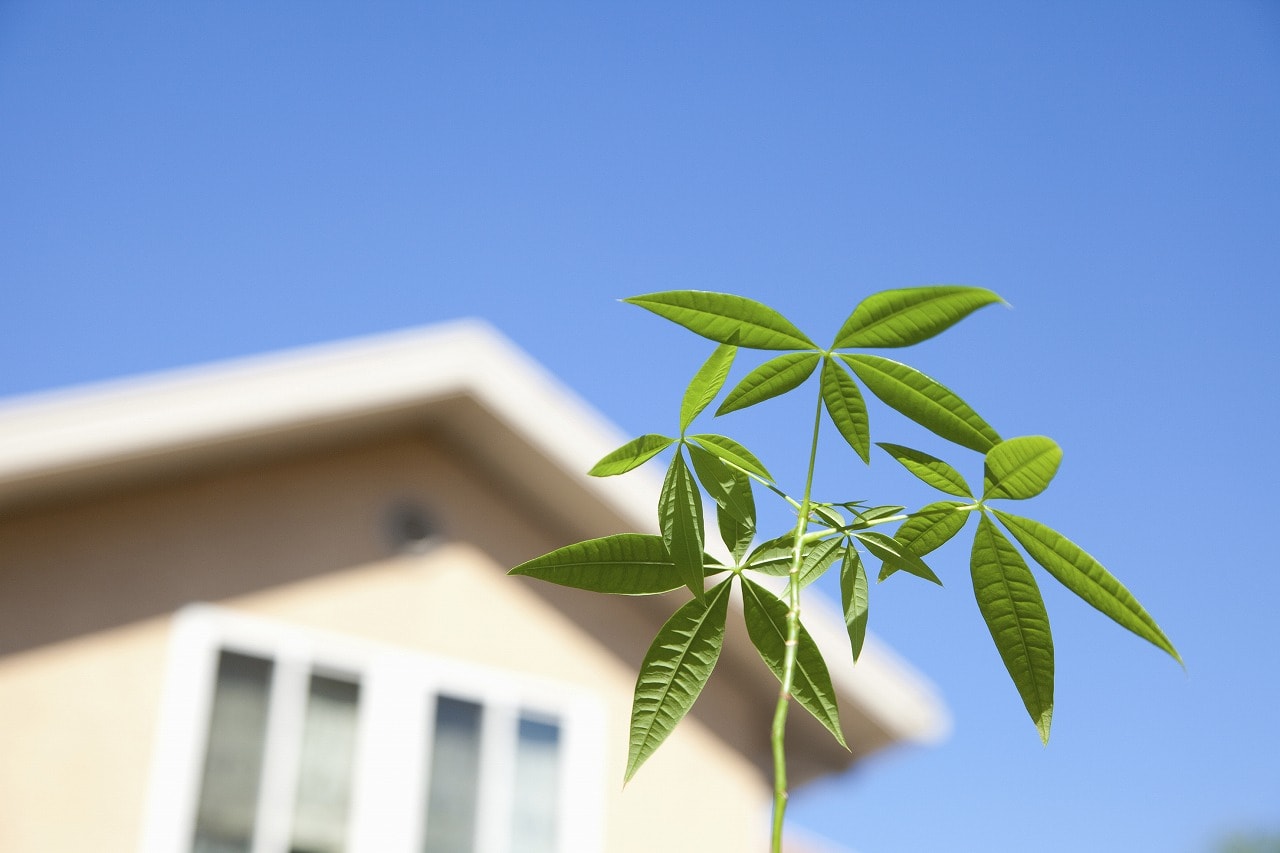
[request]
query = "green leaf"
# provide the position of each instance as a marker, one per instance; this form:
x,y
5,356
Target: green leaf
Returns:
x,y
624,564
818,560
854,597
846,407
631,455
680,519
899,318
706,384
674,671
896,555
776,376
731,490
826,516
726,318
774,556
1020,467
871,515
926,401
1085,576
930,469
1011,605
766,618
730,451
929,528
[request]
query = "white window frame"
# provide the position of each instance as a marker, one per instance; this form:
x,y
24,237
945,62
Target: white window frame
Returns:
x,y
397,705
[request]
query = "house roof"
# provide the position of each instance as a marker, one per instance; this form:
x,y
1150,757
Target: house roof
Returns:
x,y
463,378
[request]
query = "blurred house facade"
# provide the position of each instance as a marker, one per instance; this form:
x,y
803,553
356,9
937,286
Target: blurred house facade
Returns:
x,y
262,606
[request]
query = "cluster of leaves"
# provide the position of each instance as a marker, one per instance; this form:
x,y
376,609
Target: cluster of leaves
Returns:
x,y
825,535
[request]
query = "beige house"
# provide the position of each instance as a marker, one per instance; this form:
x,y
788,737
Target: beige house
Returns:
x,y
262,606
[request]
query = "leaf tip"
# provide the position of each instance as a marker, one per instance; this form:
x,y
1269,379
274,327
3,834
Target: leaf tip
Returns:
x,y
1043,723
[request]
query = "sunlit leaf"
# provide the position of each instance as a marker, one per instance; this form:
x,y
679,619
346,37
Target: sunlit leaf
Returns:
x,y
766,618
775,556
776,376
930,469
899,318
674,671
854,598
624,564
896,555
1085,576
1020,467
1011,605
927,529
827,516
680,519
631,455
706,384
726,318
818,560
731,490
926,401
733,453
844,403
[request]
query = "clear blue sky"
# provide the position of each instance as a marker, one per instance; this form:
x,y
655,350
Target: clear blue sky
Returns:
x,y
181,182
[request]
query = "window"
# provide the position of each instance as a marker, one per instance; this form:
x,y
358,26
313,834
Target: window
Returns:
x,y
275,739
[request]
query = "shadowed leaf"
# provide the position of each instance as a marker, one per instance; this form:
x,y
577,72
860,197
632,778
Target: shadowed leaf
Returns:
x,y
680,519
674,671
896,555
930,469
854,598
844,403
766,617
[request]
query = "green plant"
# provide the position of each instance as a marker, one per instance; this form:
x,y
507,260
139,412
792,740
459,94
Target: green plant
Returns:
x,y
827,534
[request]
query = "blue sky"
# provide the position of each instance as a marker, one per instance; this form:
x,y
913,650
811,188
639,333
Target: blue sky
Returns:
x,y
187,182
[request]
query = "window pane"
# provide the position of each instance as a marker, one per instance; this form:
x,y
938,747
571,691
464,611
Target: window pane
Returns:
x,y
325,767
455,778
537,786
233,761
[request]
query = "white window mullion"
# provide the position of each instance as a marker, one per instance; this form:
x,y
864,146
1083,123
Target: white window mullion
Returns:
x,y
497,776
285,722
388,795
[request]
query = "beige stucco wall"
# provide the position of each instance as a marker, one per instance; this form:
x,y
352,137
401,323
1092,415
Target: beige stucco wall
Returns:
x,y
86,589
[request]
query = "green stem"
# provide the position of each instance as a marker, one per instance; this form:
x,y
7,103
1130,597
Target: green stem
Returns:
x,y
777,735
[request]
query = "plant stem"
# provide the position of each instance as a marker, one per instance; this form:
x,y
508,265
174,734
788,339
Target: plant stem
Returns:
x,y
777,735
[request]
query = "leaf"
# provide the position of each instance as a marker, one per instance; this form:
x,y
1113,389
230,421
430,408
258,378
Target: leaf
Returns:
x,y
930,469
854,598
730,451
818,560
726,318
774,557
899,318
766,618
631,455
926,401
929,528
1020,467
776,376
826,516
1085,576
624,564
1011,605
846,407
674,671
731,490
896,555
706,384
680,519
870,515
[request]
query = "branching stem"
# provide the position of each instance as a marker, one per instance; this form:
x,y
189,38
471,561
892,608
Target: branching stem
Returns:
x,y
777,735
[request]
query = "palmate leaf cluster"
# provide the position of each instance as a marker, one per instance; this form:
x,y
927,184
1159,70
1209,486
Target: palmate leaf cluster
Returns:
x,y
829,534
